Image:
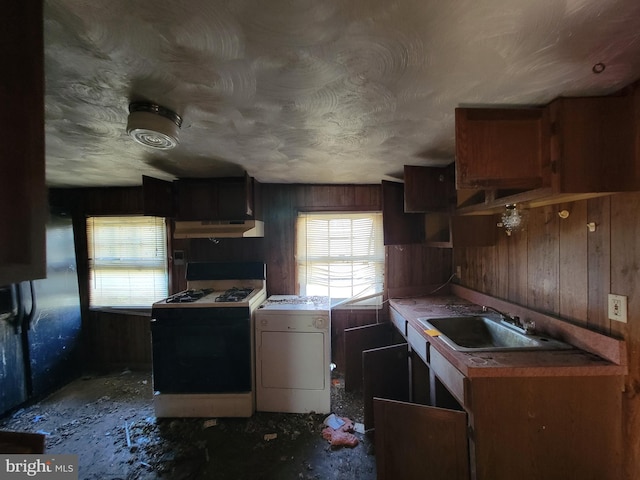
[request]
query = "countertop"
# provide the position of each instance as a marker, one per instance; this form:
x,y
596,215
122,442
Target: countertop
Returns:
x,y
574,362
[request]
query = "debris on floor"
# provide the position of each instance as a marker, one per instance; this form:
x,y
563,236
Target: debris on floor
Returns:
x,y
108,421
339,431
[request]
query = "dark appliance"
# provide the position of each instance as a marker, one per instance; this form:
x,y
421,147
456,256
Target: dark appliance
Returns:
x,y
202,342
40,324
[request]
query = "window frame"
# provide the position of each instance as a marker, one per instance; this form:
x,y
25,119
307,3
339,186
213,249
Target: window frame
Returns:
x,y
166,285
369,301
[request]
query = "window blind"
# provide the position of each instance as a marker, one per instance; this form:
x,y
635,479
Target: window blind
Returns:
x,y
127,261
340,255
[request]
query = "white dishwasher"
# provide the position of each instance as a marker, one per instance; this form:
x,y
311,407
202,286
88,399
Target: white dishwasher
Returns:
x,y
293,354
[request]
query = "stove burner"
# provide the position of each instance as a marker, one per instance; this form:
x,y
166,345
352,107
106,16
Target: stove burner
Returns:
x,y
234,295
189,296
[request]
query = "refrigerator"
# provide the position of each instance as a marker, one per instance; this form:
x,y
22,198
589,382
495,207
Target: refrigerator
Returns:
x,y
40,324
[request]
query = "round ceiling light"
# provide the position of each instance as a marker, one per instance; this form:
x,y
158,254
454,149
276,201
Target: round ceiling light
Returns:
x,y
153,126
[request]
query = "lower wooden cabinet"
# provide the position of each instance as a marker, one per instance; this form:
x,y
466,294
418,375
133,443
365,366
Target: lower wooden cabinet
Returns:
x,y
413,441
430,421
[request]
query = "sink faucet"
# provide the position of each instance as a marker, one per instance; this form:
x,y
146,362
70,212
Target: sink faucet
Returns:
x,y
526,326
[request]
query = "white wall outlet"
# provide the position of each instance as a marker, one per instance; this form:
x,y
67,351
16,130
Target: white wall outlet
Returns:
x,y
459,272
618,308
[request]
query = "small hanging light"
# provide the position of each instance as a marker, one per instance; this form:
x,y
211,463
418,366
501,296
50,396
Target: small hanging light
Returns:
x,y
512,219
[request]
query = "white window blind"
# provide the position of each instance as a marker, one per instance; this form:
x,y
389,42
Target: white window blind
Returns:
x,y
340,255
127,261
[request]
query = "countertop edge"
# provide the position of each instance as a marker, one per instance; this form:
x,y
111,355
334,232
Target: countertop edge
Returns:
x,y
576,362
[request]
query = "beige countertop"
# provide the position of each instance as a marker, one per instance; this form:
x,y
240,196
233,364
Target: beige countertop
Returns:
x,y
590,359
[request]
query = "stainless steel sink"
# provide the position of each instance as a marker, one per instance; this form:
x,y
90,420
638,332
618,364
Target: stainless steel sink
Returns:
x,y
478,333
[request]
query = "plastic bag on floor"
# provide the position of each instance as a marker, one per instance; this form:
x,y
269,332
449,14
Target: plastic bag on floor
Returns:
x,y
339,432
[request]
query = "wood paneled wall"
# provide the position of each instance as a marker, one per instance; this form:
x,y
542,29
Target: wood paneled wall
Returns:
x,y
119,340
280,205
558,267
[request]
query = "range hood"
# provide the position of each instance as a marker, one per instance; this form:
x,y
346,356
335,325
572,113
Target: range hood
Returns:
x,y
219,229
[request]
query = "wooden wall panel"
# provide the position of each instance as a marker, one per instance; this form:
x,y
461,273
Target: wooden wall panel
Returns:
x,y
542,260
502,263
517,275
572,263
599,263
279,217
117,340
416,268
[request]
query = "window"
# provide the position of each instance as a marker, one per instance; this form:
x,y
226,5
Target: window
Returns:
x,y
127,261
340,255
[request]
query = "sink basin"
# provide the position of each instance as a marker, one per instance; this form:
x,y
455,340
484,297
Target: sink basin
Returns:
x,y
478,333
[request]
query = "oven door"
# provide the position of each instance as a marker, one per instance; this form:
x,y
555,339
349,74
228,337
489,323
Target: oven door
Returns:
x,y
202,350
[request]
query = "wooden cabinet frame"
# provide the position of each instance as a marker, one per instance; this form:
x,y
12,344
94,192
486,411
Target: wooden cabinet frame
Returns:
x,y
485,428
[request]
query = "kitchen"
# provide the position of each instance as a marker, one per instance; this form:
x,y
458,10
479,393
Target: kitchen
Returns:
x,y
554,266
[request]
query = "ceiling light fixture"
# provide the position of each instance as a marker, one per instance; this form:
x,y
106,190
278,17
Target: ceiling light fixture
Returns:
x,y
153,126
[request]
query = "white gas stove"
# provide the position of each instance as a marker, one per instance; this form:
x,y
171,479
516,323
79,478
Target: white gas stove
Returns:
x,y
203,342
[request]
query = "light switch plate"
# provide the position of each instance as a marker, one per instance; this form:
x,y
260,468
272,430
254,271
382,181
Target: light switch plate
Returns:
x,y
618,308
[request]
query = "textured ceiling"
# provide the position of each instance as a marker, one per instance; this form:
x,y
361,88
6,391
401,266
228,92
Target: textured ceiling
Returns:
x,y
310,91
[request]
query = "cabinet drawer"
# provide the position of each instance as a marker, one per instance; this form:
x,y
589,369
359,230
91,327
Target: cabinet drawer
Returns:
x,y
418,343
449,375
399,322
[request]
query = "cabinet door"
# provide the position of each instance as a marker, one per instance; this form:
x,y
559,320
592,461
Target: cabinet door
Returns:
x,y
415,442
399,228
385,371
158,197
428,189
197,199
235,197
499,148
359,339
593,147
23,194
215,199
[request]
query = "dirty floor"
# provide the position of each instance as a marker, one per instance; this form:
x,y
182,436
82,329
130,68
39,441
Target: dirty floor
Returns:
x,y
108,421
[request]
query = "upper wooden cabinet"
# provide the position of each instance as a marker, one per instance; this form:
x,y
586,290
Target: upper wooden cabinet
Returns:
x,y
23,192
593,145
399,228
230,198
429,189
502,148
571,149
158,197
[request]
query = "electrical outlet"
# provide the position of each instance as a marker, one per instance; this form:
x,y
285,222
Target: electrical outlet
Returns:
x,y
459,272
618,308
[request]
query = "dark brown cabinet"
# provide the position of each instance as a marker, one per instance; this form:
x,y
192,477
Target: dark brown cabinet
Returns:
x,y
429,189
229,198
593,145
399,228
486,427
201,199
449,230
413,439
571,149
158,197
23,193
502,148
